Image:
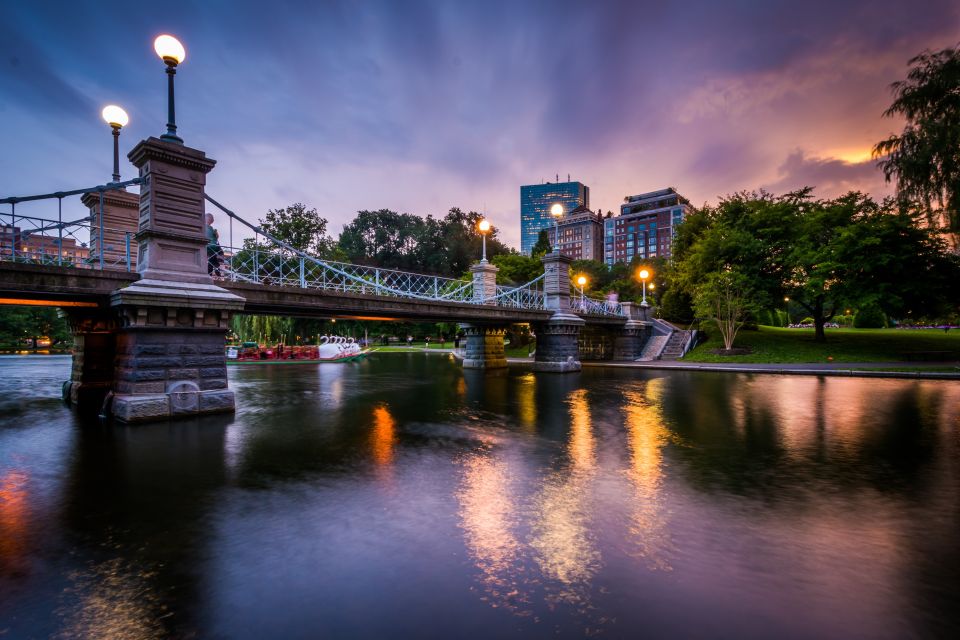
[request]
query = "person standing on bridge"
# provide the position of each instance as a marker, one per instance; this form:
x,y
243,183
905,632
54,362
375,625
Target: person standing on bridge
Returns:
x,y
214,250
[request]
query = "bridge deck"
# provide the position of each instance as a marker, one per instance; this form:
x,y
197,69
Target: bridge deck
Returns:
x,y
69,285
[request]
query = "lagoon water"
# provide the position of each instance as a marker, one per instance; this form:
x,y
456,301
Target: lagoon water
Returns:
x,y
404,497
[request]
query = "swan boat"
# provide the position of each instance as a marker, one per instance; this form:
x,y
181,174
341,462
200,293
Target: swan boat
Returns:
x,y
327,349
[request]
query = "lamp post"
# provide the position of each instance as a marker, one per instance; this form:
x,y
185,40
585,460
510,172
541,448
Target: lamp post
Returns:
x,y
172,53
117,119
557,212
786,310
484,227
644,274
582,280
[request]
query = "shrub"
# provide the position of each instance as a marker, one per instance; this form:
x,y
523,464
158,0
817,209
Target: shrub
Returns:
x,y
676,306
870,317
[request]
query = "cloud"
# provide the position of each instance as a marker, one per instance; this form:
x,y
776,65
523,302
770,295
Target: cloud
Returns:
x,y
830,176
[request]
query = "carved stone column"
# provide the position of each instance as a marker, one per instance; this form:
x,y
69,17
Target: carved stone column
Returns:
x,y
170,346
484,282
631,338
94,345
556,281
484,347
120,220
557,339
558,344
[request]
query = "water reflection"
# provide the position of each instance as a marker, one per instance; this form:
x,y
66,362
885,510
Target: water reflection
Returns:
x,y
646,437
563,543
488,517
112,599
383,436
14,525
519,505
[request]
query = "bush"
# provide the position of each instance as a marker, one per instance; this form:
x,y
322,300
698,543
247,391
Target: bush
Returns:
x,y
807,320
844,321
676,306
870,317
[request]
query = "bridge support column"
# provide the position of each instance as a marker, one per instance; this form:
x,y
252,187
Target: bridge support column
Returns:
x,y
119,223
94,345
631,338
557,339
484,282
170,345
484,348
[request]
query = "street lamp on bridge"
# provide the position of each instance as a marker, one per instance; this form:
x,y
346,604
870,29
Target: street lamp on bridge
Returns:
x,y
581,281
117,119
557,212
172,53
484,228
644,274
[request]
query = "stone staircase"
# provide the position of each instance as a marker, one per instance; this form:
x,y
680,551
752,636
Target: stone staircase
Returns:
x,y
653,348
673,350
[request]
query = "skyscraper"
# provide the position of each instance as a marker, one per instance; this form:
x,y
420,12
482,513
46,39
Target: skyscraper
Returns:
x,y
535,203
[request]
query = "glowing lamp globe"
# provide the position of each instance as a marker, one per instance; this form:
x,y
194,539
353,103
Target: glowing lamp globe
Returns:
x,y
556,210
484,226
644,274
581,281
169,48
651,286
115,116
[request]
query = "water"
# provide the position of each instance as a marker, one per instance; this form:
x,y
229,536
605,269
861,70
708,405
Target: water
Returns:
x,y
403,497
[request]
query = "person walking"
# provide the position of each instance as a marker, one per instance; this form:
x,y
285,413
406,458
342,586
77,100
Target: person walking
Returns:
x,y
214,250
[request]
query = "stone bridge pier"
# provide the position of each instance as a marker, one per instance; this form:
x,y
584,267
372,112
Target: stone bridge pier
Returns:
x,y
484,342
159,349
558,338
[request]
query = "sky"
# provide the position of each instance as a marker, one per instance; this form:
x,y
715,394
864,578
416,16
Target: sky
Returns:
x,y
422,106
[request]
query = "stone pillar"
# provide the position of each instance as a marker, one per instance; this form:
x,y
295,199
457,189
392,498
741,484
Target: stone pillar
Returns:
x,y
121,211
484,282
631,338
484,348
170,345
94,344
556,282
557,339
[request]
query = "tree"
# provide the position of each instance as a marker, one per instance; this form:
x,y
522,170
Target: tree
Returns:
x,y
517,269
725,298
303,229
925,157
19,323
542,247
825,255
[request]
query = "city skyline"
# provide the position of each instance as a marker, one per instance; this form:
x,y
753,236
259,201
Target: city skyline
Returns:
x,y
432,106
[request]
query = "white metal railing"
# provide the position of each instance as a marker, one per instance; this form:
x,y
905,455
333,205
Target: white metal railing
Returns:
x,y
268,260
79,242
594,307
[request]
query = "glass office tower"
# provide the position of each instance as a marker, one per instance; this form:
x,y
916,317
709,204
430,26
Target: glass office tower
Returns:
x,y
535,203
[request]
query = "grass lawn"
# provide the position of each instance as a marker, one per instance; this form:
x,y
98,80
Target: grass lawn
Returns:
x,y
775,344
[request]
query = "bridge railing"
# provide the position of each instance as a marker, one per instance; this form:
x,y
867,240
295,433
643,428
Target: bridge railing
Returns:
x,y
594,307
72,242
268,260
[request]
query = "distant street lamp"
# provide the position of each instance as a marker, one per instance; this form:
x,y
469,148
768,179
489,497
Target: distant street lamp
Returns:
x,y
786,309
557,212
117,119
172,53
484,227
644,274
582,280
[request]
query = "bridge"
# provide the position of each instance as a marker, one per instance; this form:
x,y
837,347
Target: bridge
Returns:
x,y
129,271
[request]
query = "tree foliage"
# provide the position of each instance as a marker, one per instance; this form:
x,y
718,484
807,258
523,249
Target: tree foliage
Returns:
x,y
303,229
446,246
824,255
24,325
726,298
925,158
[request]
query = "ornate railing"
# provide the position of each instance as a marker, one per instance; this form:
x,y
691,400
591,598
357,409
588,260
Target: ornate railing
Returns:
x,y
78,242
593,307
265,259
